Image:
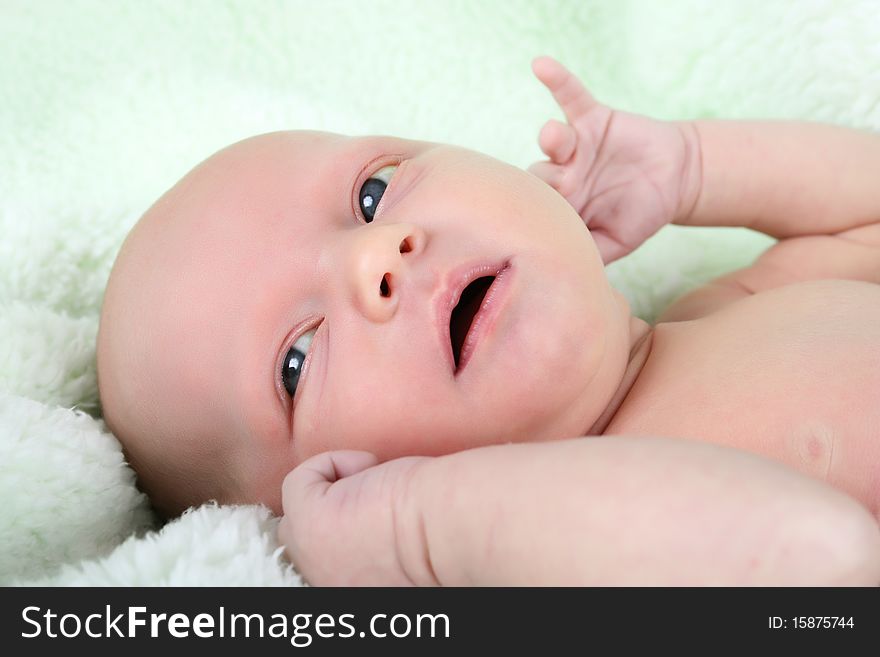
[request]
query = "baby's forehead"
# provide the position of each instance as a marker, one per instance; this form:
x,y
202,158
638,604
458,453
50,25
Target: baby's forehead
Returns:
x,y
263,160
260,175
305,151
292,145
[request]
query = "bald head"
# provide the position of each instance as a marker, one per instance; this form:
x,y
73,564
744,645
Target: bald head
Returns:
x,y
155,304
170,320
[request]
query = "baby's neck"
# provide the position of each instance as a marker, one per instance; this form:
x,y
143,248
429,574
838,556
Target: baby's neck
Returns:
x,y
641,340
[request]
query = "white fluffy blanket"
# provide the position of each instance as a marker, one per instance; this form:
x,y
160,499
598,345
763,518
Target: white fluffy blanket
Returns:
x,y
104,105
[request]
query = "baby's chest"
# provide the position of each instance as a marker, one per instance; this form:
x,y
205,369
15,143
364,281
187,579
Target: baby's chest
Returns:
x,y
792,374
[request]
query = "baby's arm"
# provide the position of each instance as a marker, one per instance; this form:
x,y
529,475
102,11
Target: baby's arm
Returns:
x,y
629,511
812,186
587,511
785,178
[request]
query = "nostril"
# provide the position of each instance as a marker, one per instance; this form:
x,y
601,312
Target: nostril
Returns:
x,y
405,246
384,287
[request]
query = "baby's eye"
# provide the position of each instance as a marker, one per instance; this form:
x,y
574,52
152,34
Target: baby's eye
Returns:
x,y
372,190
293,362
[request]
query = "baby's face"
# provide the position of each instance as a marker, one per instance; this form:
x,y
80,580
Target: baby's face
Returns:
x,y
205,364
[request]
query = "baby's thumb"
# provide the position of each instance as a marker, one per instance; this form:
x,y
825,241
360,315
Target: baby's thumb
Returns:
x,y
315,475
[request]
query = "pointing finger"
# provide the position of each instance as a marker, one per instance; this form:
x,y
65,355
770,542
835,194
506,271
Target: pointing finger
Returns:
x,y
568,91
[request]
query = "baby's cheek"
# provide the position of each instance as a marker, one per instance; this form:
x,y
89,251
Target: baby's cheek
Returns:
x,y
390,435
345,428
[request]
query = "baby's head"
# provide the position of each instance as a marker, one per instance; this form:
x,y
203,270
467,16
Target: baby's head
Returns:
x,y
280,301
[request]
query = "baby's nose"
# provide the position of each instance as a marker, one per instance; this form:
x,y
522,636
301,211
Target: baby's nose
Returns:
x,y
381,260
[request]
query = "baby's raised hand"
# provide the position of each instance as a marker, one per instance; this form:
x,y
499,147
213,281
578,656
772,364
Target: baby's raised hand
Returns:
x,y
626,175
342,524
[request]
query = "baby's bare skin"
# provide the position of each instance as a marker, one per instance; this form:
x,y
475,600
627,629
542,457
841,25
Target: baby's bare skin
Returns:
x,y
268,239
791,373
781,358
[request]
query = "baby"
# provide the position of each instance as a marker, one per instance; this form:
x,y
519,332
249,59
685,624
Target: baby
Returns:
x,y
422,344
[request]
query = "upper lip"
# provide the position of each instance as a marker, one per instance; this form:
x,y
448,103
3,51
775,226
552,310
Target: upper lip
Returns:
x,y
455,283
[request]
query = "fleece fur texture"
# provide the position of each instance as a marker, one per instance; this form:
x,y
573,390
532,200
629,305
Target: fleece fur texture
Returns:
x,y
103,106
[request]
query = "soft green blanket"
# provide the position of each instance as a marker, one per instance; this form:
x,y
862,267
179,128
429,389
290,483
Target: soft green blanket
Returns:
x,y
103,105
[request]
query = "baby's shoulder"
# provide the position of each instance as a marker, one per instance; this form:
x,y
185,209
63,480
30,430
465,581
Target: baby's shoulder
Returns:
x,y
816,303
792,373
726,363
852,256
794,328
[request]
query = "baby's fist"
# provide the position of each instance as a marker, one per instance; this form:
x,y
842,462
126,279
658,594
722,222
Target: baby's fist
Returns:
x,y
342,523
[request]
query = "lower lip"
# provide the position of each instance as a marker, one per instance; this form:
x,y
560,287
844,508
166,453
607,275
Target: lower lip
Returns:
x,y
485,319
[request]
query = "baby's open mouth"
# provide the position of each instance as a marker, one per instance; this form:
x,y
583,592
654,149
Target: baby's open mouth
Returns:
x,y
465,311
